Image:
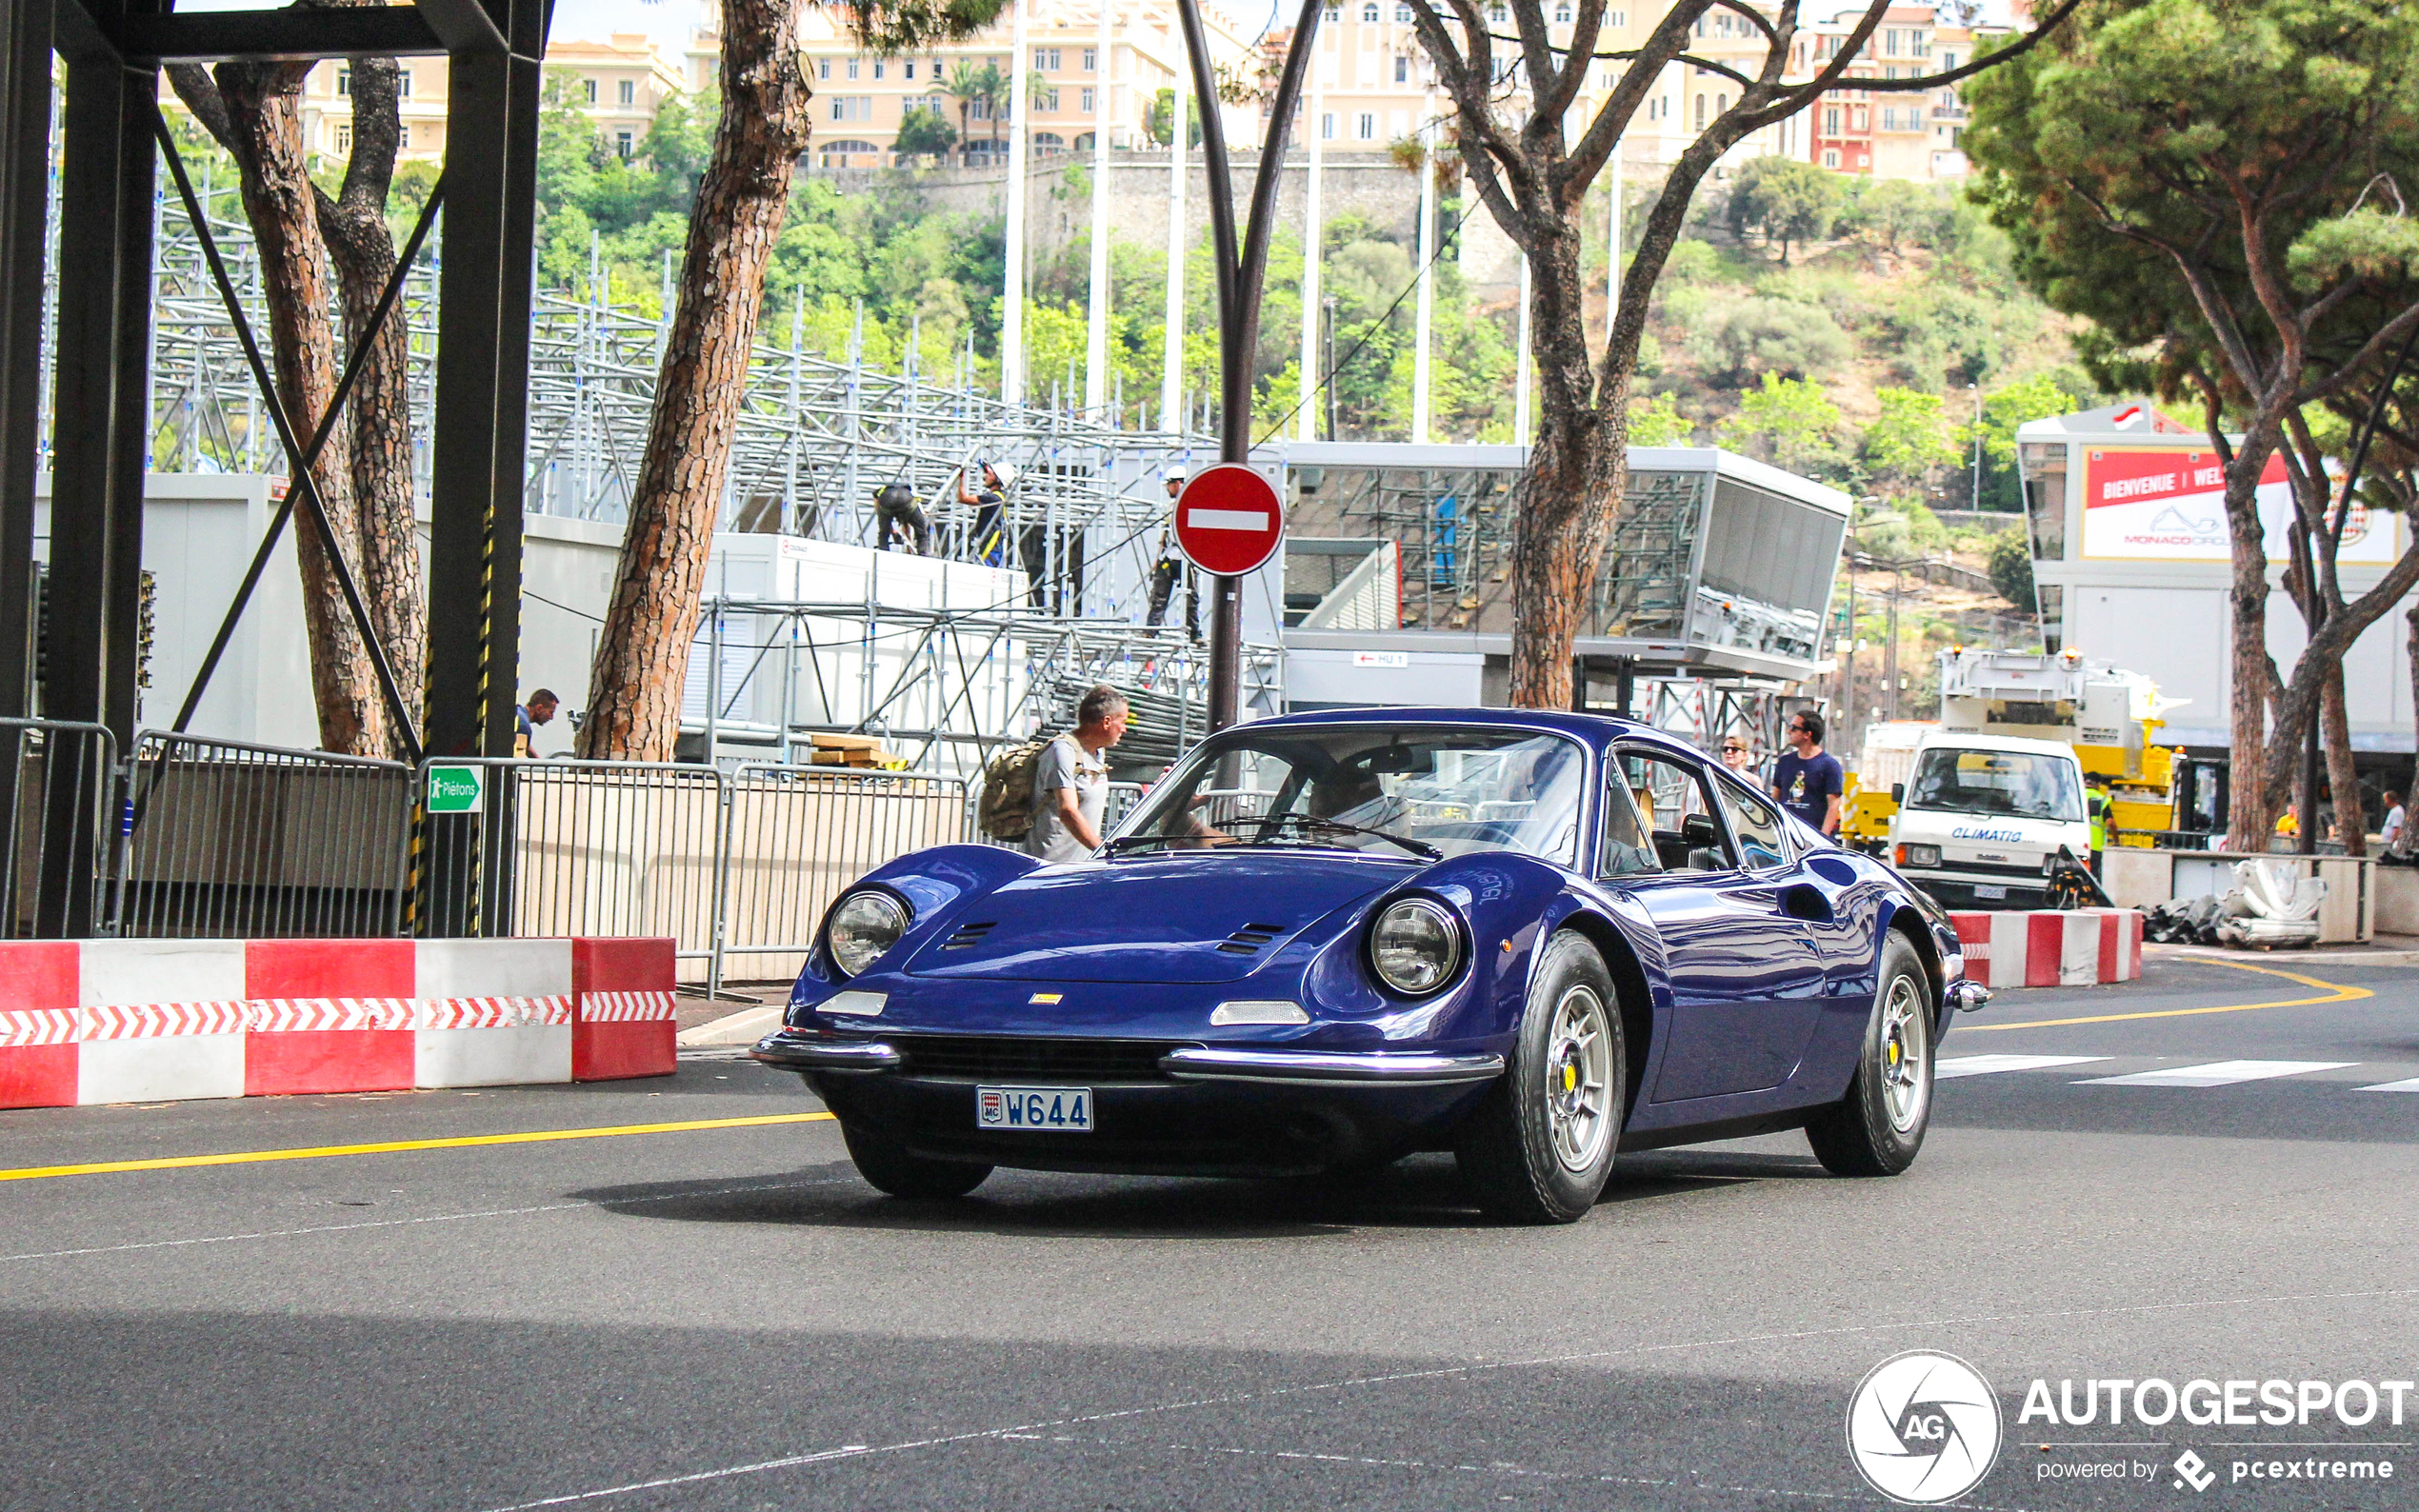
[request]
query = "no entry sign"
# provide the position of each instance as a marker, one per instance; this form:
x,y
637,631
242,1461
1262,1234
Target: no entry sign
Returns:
x,y
1228,520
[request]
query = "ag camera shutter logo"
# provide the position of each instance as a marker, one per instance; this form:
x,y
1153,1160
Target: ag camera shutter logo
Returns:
x,y
1922,1427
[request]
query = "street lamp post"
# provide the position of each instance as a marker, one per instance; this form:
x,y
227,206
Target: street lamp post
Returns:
x,y
1240,266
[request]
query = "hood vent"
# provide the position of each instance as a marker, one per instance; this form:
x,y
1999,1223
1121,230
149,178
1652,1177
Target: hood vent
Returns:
x,y
967,936
1248,940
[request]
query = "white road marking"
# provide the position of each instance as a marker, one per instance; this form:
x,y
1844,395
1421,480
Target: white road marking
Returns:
x,y
1227,519
2410,1086
2218,1073
1986,1064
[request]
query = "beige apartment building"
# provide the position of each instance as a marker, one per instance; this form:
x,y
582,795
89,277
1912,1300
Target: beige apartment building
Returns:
x,y
860,99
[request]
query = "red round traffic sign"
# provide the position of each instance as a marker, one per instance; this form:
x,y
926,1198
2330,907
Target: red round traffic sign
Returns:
x,y
1228,520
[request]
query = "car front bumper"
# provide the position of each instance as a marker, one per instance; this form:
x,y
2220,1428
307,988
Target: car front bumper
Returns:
x,y
1208,1110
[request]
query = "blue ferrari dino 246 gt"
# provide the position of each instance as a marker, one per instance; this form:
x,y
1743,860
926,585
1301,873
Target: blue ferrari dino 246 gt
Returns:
x,y
1327,941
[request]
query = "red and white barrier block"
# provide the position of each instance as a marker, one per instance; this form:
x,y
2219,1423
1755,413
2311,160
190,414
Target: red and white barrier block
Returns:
x,y
129,1020
2051,948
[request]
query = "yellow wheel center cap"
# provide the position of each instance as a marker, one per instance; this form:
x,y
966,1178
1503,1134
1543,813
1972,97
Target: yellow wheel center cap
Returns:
x,y
1893,1052
1569,1077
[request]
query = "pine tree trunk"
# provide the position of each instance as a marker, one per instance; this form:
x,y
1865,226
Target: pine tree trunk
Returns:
x,y
2343,776
642,655
363,252
258,106
2251,811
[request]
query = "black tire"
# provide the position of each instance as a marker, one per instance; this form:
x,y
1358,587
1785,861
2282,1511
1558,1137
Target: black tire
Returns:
x,y
1876,1129
891,1168
1532,1152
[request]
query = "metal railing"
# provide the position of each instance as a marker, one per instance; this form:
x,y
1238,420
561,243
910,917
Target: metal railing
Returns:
x,y
225,839
795,837
58,790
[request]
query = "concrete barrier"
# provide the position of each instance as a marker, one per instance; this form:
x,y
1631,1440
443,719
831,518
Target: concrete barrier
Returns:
x,y
2051,948
148,1021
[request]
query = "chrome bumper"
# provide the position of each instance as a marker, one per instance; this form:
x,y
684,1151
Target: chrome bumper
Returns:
x,y
799,1052
1965,996
1299,1067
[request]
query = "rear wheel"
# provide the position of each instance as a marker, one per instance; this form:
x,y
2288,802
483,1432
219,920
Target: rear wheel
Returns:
x,y
890,1168
1538,1149
1877,1129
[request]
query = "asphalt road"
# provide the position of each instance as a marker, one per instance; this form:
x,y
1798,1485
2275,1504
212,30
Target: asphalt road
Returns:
x,y
727,1317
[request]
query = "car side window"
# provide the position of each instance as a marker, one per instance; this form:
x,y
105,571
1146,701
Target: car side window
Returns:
x,y
1629,841
1758,828
1679,812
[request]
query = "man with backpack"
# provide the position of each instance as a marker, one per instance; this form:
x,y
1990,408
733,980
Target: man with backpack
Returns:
x,y
1049,795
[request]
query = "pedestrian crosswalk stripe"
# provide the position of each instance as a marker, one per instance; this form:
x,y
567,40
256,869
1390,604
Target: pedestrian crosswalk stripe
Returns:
x,y
2217,1073
1985,1065
2410,1086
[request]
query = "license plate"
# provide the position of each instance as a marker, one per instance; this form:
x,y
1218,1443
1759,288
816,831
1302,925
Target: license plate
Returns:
x,y
1989,889
1039,1109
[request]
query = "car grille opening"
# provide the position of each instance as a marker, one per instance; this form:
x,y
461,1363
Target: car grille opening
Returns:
x,y
1006,1059
1248,940
969,935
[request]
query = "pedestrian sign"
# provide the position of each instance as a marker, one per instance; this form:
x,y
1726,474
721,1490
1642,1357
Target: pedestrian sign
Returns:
x,y
455,791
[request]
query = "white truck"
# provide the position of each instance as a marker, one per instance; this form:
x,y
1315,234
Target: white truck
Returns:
x,y
1981,818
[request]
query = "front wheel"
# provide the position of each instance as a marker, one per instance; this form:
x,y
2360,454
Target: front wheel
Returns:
x,y
1538,1149
1877,1129
890,1168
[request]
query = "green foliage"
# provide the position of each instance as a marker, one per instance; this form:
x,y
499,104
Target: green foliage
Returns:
x,y
1765,337
1787,421
1658,422
1895,210
1785,200
1911,436
1160,126
888,28
2011,568
2036,398
923,130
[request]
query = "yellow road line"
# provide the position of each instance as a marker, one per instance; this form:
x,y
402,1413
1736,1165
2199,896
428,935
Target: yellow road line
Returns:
x,y
2335,993
320,1152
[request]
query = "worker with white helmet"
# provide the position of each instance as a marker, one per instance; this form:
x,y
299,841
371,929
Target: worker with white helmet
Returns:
x,y
990,537
1171,566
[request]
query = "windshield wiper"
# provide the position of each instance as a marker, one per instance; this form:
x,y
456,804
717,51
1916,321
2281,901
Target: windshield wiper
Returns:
x,y
1417,848
1129,841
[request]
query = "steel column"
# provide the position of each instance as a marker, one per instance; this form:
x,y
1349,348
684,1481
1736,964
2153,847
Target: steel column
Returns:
x,y
24,174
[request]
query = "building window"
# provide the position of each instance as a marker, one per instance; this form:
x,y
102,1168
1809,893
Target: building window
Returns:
x,y
1497,15
626,93
1948,60
1091,60
853,107
403,136
1368,125
1889,43
1091,102
403,83
1402,70
587,87
1327,126
1369,13
1700,113
1831,120
878,67
621,143
344,136
1047,101
1619,19
1562,14
1046,59
853,67
908,68
822,70
1402,15
1334,13
1831,158
344,82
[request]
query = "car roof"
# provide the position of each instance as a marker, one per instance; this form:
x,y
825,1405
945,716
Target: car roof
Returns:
x,y
1598,730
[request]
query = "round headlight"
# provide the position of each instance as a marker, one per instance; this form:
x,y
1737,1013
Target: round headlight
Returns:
x,y
863,927
1414,946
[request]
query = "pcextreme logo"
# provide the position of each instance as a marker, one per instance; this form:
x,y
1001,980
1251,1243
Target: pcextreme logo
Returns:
x,y
1922,1427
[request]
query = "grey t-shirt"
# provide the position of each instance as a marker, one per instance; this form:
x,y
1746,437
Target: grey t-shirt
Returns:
x,y
1064,764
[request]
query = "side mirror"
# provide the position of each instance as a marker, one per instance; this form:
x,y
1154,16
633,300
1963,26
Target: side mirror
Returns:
x,y
1697,829
1898,792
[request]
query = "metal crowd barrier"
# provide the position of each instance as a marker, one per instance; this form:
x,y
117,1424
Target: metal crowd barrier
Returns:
x,y
58,790
797,836
226,840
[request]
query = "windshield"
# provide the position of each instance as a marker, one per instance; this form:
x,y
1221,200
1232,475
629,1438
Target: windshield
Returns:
x,y
1384,789
2018,783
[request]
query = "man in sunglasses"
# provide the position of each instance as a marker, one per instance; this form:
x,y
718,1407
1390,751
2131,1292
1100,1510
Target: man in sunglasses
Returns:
x,y
1808,782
